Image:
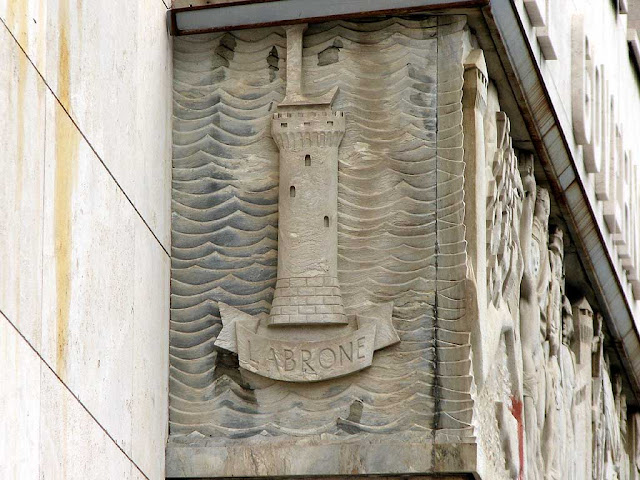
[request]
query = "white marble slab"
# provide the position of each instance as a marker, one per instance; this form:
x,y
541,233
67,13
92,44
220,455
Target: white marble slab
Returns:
x,y
151,353
19,404
88,280
21,188
72,444
109,63
106,298
27,21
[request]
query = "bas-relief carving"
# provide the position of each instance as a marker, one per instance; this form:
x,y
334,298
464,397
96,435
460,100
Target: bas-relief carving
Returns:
x,y
308,134
569,432
394,200
533,301
500,389
634,447
567,360
395,258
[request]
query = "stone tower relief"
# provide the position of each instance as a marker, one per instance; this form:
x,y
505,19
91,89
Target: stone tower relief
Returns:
x,y
308,133
362,150
360,256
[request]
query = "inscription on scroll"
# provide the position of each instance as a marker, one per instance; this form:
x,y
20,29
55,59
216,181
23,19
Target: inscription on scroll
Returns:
x,y
305,361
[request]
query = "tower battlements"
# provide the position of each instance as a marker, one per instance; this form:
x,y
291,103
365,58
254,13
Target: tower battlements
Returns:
x,y
310,128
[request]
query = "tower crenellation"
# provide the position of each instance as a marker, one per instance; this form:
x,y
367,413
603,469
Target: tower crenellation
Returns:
x,y
319,127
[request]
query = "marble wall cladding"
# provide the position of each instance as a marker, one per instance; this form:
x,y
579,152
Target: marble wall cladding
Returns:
x,y
19,404
109,63
21,189
84,269
27,21
88,290
150,367
46,433
400,232
72,444
105,296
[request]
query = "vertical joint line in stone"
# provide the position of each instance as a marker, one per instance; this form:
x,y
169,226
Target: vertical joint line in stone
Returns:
x,y
436,366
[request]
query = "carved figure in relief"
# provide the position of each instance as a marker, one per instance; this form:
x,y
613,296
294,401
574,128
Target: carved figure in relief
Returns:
x,y
636,445
553,433
533,239
620,458
597,409
567,360
625,463
504,265
610,450
611,426
581,352
540,256
555,288
504,202
574,419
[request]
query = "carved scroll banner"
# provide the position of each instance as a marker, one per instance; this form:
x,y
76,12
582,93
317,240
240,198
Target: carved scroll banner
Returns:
x,y
305,361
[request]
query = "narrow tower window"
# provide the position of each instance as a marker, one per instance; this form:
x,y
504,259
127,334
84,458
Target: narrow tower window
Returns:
x,y
292,191
326,221
307,160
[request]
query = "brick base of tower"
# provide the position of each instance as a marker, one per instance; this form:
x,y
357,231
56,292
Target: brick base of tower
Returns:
x,y
304,301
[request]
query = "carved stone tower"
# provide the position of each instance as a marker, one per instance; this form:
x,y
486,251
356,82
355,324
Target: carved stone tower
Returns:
x,y
307,291
308,134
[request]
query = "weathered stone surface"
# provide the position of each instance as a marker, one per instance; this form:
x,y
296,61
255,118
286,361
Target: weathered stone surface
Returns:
x,y
70,439
445,250
20,402
21,190
83,276
100,309
266,458
400,235
308,133
554,400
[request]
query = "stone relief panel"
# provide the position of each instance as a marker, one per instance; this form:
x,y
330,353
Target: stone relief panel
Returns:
x,y
393,88
359,252
499,402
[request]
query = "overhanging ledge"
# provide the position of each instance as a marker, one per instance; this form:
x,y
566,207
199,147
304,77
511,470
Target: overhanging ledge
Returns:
x,y
202,16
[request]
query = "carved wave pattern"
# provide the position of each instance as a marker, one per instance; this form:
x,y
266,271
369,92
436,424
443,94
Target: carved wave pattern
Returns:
x,y
224,207
401,236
